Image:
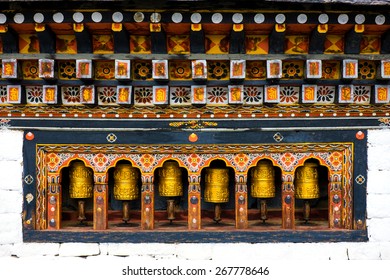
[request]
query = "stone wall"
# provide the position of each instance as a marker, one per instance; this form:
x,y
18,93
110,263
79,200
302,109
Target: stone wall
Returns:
x,y
378,222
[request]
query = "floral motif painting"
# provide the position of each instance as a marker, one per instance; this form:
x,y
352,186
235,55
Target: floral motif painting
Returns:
x,y
105,70
143,96
180,70
367,70
256,70
34,95
218,70
289,95
30,70
70,95
361,94
142,70
292,70
106,95
67,69
326,94
330,69
180,96
253,95
217,96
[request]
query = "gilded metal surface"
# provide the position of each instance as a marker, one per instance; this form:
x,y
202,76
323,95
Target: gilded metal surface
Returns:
x,y
126,182
80,181
170,183
306,182
263,180
217,185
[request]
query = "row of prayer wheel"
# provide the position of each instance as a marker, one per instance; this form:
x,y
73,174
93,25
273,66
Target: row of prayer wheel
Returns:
x,y
216,191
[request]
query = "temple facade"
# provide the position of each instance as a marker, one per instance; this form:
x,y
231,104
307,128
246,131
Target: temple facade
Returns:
x,y
239,123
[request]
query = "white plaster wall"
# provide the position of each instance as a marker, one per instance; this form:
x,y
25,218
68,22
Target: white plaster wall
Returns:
x,y
378,223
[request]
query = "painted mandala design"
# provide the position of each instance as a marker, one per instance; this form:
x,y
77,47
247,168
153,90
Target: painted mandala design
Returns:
x,y
180,96
105,70
106,95
292,70
143,96
142,70
218,70
361,94
34,94
367,70
70,95
67,70
30,69
180,70
217,95
326,94
255,70
330,69
289,95
3,94
253,95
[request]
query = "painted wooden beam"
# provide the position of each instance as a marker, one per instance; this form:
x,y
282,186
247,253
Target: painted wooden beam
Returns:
x,y
317,41
10,41
159,42
121,41
276,41
237,42
47,40
352,41
385,43
84,41
197,41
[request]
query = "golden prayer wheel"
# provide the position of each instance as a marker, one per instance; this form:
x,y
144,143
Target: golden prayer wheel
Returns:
x,y
263,185
81,181
307,186
217,189
170,185
217,185
306,182
126,187
263,180
126,182
80,186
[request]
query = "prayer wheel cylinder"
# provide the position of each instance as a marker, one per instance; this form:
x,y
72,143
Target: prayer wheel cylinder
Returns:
x,y
306,182
263,180
216,185
170,183
126,182
80,181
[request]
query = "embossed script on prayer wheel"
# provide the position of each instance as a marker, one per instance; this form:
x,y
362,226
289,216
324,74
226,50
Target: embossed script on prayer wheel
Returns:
x,y
81,181
125,182
263,180
170,183
217,185
306,182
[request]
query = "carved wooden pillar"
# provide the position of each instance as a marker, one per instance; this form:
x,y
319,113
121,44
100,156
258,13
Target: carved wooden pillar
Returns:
x,y
54,201
241,198
194,202
335,200
147,202
288,200
100,201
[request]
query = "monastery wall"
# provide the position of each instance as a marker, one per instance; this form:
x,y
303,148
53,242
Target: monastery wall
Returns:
x,y
378,222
